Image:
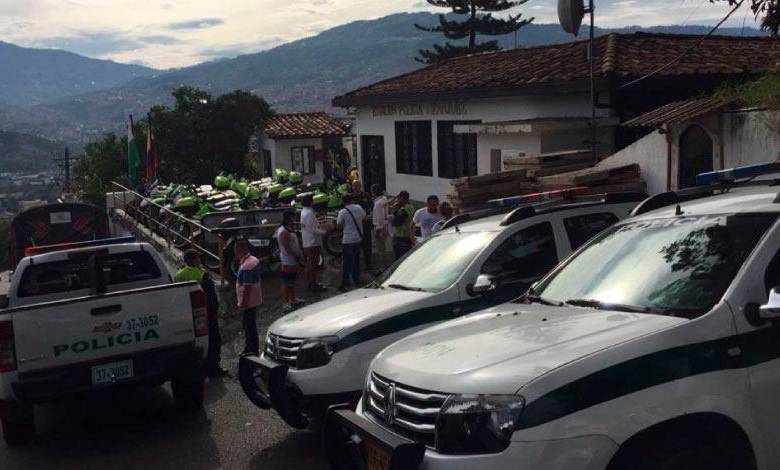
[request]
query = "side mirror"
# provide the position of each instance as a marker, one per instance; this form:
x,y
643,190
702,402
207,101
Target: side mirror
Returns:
x,y
771,310
484,283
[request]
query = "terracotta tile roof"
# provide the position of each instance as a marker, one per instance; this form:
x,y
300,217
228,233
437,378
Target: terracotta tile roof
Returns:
x,y
680,111
623,56
299,125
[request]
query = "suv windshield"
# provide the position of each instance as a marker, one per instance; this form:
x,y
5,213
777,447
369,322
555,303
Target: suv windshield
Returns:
x,y
677,266
436,263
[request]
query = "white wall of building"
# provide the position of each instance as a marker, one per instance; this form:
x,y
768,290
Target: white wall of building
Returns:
x,y
748,137
380,120
650,152
751,137
281,154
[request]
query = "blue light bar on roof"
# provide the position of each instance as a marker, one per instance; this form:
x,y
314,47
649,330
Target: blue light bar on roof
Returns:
x,y
738,172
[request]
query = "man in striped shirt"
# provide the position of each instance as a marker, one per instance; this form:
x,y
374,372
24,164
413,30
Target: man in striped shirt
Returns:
x,y
249,294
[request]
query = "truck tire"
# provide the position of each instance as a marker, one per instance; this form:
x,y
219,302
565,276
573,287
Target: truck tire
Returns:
x,y
188,389
18,425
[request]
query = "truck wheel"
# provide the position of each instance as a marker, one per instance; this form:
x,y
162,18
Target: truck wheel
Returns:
x,y
188,390
18,426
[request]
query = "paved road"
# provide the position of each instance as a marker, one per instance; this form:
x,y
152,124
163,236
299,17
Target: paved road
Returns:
x,y
142,429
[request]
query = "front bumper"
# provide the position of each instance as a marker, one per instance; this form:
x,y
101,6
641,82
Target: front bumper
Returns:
x,y
149,367
347,434
281,394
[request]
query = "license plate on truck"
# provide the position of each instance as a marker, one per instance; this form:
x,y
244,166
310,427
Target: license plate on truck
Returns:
x,y
112,372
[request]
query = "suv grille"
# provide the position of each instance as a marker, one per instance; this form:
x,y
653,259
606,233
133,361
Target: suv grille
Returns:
x,y
282,349
409,411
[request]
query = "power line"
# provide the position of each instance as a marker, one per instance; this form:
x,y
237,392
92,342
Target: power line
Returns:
x,y
685,52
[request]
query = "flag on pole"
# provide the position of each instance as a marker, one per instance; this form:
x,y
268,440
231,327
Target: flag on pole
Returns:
x,y
152,160
133,156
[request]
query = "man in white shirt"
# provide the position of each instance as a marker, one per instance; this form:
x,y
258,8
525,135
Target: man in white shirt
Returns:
x,y
311,233
350,220
379,215
427,217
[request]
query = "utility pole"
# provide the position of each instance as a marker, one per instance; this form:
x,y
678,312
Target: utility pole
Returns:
x,y
591,65
64,164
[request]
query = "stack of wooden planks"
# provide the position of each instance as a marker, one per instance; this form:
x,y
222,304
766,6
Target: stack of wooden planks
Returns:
x,y
601,178
544,173
473,191
546,164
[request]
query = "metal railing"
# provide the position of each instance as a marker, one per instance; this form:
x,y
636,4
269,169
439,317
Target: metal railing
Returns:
x,y
165,222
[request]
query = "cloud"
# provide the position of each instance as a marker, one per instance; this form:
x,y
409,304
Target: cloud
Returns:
x,y
99,44
202,23
179,33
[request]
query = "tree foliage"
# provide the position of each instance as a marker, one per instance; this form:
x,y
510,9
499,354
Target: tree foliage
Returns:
x,y
103,161
201,136
480,22
767,10
763,92
195,139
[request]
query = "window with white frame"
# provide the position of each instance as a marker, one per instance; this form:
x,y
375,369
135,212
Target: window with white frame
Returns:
x,y
303,160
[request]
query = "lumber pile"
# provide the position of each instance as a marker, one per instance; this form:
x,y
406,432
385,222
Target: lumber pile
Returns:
x,y
473,191
547,164
545,172
595,176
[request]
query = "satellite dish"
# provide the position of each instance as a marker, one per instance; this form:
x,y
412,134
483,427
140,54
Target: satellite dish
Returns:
x,y
570,14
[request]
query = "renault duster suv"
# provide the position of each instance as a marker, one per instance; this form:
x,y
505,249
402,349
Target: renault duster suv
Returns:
x,y
655,346
318,355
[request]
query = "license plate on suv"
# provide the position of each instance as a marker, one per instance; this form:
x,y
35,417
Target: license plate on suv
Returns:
x,y
112,372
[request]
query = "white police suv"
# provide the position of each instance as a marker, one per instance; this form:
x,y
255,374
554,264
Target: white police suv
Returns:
x,y
319,355
655,346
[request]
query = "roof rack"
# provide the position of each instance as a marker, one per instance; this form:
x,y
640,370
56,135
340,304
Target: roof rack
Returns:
x,y
469,217
528,205
531,210
710,183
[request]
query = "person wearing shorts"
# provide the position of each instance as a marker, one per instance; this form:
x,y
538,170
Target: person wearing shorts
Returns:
x,y
311,233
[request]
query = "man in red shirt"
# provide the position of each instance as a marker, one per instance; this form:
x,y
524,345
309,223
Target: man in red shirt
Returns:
x,y
249,294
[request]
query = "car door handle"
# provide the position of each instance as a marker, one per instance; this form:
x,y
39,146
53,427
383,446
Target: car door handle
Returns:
x,y
108,309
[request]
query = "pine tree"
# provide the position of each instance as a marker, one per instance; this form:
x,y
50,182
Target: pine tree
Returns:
x,y
480,22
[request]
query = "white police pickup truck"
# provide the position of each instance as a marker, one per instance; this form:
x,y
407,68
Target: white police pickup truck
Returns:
x,y
89,316
318,356
655,346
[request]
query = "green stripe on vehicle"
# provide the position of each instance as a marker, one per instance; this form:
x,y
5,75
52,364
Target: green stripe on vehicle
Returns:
x,y
733,352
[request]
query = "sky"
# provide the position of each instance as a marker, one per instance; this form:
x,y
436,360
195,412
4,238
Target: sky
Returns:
x,y
177,33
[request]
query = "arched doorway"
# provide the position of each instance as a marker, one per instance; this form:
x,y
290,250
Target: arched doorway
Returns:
x,y
695,155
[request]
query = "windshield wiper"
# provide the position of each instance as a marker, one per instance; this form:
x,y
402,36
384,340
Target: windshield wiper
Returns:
x,y
402,287
535,299
599,305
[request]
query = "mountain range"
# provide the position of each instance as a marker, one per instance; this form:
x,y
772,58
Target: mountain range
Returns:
x,y
67,97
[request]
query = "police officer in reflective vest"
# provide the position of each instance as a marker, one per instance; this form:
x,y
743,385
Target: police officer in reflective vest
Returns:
x,y
194,271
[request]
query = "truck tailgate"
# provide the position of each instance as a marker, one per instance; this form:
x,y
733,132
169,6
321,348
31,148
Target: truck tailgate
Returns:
x,y
96,328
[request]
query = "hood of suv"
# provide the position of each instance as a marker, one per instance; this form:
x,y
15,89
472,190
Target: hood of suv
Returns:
x,y
344,312
501,349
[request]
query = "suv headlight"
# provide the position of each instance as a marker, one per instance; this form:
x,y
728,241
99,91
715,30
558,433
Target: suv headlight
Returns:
x,y
477,424
316,352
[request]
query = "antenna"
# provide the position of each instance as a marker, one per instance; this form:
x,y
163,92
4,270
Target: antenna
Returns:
x,y
570,15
